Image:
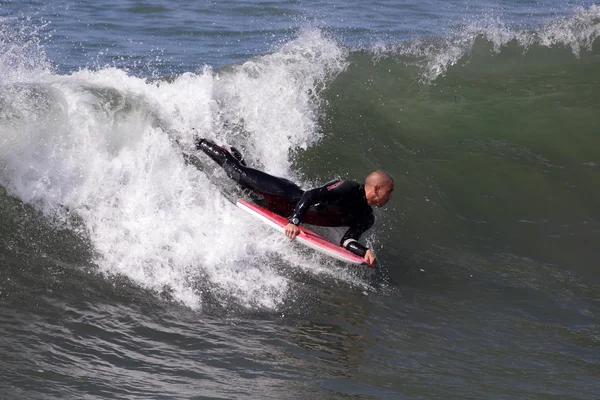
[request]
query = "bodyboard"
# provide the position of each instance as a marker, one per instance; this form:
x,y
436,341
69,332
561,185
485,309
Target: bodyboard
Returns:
x,y
306,237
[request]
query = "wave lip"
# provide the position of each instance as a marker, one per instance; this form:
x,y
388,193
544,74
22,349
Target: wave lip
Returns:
x,y
578,32
435,55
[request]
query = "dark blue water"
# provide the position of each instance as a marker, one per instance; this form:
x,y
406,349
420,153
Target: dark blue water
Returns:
x,y
125,273
173,37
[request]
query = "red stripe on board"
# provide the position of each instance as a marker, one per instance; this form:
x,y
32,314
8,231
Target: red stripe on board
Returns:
x,y
308,234
334,185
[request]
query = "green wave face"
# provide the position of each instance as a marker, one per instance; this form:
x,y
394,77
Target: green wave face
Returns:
x,y
498,152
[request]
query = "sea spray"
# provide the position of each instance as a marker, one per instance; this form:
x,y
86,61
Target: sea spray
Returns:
x,y
435,55
98,145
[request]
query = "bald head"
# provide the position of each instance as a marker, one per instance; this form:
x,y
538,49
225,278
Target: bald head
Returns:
x,y
379,186
380,178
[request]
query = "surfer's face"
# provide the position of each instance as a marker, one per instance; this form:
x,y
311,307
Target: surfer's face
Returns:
x,y
383,194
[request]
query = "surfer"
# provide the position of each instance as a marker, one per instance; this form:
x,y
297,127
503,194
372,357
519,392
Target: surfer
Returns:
x,y
337,203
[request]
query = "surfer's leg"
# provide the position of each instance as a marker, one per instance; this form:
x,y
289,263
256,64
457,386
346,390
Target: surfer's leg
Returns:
x,y
250,178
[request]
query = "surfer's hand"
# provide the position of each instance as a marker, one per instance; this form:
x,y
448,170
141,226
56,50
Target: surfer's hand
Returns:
x,y
291,231
370,258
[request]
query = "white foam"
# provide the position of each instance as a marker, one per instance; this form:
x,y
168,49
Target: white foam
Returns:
x,y
435,56
275,97
96,143
577,32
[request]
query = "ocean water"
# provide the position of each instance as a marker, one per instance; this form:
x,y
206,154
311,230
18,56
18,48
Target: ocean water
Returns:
x,y
126,274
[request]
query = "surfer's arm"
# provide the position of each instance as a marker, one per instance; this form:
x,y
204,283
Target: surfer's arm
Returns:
x,y
350,239
309,198
360,250
313,196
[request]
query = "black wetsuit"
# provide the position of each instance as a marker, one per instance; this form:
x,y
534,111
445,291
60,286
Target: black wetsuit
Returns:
x,y
337,203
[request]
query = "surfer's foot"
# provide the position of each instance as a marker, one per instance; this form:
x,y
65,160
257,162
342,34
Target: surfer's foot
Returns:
x,y
238,155
200,142
217,153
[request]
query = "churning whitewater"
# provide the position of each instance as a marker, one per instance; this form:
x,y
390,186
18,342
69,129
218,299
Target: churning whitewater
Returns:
x,y
102,148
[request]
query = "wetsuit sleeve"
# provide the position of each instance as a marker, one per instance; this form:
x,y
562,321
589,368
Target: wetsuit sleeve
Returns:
x,y
350,239
331,190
